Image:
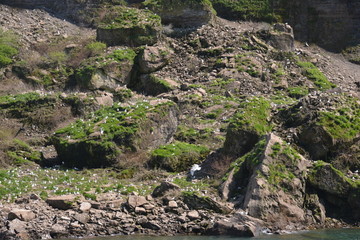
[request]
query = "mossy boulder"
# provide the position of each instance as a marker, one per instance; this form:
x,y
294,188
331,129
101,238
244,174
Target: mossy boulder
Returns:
x,y
326,122
107,72
152,59
196,201
186,13
177,157
340,193
269,182
152,84
247,125
129,26
102,137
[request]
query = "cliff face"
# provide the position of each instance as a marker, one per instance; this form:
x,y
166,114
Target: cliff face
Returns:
x,y
332,24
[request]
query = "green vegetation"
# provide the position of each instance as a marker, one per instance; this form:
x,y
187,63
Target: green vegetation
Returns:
x,y
16,182
97,140
177,157
20,153
252,115
260,10
278,173
343,122
124,17
96,48
244,64
8,47
315,75
121,55
298,92
157,5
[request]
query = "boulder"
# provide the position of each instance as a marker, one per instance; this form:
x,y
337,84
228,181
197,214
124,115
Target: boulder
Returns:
x,y
121,131
194,201
136,201
164,188
340,194
85,206
154,85
282,37
152,59
324,128
21,214
185,14
63,202
193,215
269,183
230,228
129,26
107,73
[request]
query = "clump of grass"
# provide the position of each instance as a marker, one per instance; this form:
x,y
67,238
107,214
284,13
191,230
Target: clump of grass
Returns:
x,y
252,115
315,75
8,47
177,157
17,182
244,64
20,153
343,123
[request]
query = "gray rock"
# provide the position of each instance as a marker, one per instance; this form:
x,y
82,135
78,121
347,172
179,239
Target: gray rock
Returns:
x,y
63,202
85,206
193,215
164,188
152,59
136,201
21,214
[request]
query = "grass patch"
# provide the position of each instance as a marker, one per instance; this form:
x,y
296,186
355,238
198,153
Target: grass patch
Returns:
x,y
177,157
343,123
315,75
252,115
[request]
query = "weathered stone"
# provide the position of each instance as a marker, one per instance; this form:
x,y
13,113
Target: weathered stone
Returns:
x,y
22,214
194,201
17,226
186,13
58,231
85,206
225,227
144,30
82,217
193,215
63,202
151,225
136,201
172,204
151,59
164,188
140,210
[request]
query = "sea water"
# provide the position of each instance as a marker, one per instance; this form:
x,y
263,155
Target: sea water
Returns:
x,y
332,234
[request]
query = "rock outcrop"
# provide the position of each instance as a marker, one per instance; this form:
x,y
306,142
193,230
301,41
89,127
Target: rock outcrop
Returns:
x,y
269,183
185,14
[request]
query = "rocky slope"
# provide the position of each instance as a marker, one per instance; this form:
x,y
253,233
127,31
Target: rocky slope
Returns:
x,y
246,129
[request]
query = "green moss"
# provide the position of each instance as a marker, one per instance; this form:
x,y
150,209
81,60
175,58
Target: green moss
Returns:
x,y
20,153
315,75
158,5
121,55
177,157
246,10
298,92
124,17
244,64
252,115
343,123
8,47
279,173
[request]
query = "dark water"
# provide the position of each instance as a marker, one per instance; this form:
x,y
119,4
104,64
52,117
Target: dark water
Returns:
x,y
336,234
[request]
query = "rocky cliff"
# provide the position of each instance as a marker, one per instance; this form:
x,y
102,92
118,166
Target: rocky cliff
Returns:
x,y
331,24
205,126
